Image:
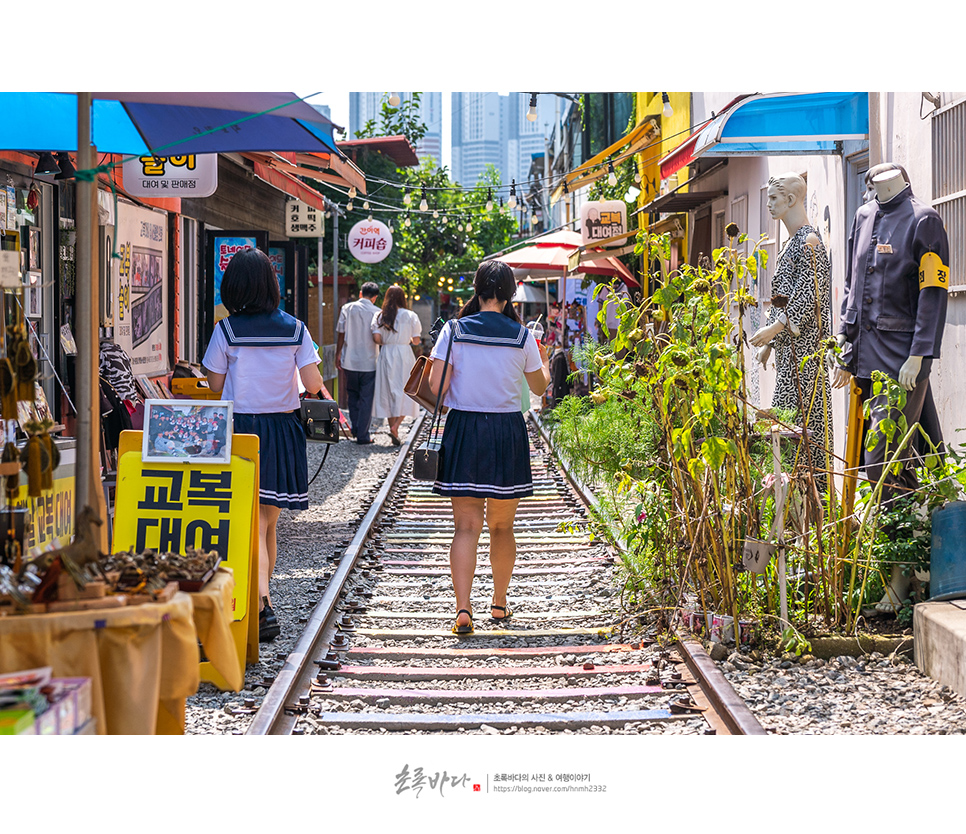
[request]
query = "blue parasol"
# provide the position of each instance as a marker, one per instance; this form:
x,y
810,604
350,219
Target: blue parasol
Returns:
x,y
166,123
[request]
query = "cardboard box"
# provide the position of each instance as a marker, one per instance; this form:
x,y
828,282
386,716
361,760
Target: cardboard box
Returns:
x,y
72,703
47,723
17,722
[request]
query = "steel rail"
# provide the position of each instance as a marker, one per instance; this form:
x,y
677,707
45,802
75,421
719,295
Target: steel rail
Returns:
x,y
294,676
727,704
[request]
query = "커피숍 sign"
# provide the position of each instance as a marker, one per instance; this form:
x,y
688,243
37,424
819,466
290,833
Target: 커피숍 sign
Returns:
x,y
189,175
370,241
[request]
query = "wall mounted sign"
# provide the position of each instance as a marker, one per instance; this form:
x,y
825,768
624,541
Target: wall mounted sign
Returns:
x,y
600,219
190,175
139,289
370,241
303,220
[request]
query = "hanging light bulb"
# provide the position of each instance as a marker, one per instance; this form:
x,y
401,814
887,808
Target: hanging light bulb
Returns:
x,y
668,110
469,227
445,219
532,112
611,176
637,177
533,219
459,228
489,199
435,213
348,206
393,100
512,202
370,216
407,197
423,205
407,222
352,192
502,207
365,205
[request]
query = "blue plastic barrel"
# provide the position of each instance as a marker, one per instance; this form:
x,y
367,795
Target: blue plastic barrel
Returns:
x,y
947,559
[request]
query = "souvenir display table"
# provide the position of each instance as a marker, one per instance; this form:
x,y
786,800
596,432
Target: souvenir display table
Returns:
x,y
143,660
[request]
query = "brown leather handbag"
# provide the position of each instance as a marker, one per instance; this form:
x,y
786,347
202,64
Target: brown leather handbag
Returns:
x,y
417,386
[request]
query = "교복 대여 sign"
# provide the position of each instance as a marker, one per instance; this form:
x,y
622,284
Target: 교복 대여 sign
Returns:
x,y
601,219
188,175
171,507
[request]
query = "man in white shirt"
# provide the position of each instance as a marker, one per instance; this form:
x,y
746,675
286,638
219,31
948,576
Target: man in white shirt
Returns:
x,y
355,355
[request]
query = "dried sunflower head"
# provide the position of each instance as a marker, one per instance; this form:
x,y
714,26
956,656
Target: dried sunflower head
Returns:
x,y
731,230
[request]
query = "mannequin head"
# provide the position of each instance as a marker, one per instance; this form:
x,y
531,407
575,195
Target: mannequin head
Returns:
x,y
875,171
785,192
888,184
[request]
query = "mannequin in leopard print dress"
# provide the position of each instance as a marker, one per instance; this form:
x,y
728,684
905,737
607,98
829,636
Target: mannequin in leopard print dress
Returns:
x,y
803,277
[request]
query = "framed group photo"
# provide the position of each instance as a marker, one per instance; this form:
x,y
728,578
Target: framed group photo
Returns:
x,y
189,431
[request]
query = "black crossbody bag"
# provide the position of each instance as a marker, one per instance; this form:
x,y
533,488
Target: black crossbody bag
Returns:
x,y
427,457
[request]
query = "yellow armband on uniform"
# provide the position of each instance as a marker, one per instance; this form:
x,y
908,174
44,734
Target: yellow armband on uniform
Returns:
x,y
933,272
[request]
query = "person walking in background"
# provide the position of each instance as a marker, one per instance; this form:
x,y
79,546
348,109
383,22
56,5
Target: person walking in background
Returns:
x,y
355,355
485,455
395,329
253,358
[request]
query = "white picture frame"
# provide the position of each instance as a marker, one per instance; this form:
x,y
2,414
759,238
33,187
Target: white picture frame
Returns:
x,y
187,431
33,306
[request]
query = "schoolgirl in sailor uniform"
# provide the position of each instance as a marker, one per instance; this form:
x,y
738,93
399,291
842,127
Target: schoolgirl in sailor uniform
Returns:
x,y
254,358
485,458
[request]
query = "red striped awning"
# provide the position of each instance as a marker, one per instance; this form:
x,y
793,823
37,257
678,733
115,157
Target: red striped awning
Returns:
x,y
290,185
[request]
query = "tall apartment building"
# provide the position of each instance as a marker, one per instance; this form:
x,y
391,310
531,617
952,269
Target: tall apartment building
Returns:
x,y
365,106
493,128
478,136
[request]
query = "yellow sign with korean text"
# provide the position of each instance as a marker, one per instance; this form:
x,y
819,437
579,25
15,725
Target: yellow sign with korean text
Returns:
x,y
170,507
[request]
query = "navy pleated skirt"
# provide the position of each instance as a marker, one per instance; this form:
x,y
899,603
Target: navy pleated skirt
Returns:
x,y
485,456
283,465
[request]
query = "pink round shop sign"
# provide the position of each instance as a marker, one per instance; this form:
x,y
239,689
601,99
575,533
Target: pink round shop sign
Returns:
x,y
370,241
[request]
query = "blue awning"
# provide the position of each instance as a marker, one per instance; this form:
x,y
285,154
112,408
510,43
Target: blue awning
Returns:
x,y
769,124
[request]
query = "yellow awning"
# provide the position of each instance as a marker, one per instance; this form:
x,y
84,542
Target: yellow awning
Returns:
x,y
641,135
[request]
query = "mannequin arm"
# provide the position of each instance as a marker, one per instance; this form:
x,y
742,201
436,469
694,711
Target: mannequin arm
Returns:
x,y
840,376
909,372
763,335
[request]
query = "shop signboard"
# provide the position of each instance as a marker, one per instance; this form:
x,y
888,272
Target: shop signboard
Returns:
x,y
140,291
189,175
221,247
170,507
50,516
370,241
601,219
303,220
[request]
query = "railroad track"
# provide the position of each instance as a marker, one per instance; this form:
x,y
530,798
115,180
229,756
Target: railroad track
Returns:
x,y
377,654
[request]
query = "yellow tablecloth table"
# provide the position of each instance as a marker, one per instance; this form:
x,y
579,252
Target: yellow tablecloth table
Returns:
x,y
142,659
213,617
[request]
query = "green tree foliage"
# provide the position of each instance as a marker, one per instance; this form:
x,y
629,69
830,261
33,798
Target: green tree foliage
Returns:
x,y
430,247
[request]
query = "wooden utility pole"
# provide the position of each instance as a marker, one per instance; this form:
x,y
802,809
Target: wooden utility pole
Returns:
x,y
87,475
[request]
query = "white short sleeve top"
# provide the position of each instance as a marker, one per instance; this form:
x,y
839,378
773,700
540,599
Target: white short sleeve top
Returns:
x,y
486,373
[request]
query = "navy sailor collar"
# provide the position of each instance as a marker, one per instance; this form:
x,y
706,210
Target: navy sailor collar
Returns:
x,y
275,329
487,328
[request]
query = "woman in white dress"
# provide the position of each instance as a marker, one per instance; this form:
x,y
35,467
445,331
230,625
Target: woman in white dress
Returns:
x,y
395,329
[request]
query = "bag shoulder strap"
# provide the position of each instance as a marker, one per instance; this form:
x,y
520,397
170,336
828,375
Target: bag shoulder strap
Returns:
x,y
434,426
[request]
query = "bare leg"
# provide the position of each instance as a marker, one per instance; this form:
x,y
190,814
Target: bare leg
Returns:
x,y
267,548
394,424
503,546
468,520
